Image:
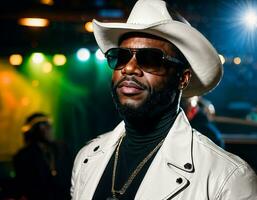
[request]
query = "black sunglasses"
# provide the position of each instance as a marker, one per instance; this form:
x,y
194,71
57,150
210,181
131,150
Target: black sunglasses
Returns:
x,y
151,60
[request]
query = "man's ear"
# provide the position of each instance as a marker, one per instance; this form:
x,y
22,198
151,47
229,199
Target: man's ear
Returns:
x,y
184,79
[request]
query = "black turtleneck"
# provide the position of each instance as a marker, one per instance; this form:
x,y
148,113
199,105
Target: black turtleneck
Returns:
x,y
140,139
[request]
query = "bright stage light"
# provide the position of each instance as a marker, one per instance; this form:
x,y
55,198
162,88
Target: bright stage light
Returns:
x,y
83,54
89,27
241,26
99,55
250,19
59,59
37,58
237,60
47,2
34,22
15,59
194,101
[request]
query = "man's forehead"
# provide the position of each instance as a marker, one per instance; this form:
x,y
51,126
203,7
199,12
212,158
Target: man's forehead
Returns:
x,y
144,40
141,35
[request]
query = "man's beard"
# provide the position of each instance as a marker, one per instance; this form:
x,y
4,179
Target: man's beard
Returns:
x,y
157,102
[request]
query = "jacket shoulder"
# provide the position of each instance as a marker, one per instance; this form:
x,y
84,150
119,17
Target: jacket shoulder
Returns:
x,y
233,176
216,152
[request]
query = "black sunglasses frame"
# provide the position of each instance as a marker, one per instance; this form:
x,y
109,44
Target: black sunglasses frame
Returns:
x,y
113,53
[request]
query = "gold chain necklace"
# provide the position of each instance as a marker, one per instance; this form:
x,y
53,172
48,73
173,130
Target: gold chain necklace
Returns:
x,y
133,174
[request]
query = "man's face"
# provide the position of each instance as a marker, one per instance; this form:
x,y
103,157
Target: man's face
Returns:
x,y
43,131
134,88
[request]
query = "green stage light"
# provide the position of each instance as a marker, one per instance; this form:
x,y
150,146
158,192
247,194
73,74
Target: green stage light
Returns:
x,y
83,54
99,55
37,58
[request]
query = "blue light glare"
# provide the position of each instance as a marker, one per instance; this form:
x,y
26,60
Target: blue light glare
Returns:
x,y
236,26
250,19
246,23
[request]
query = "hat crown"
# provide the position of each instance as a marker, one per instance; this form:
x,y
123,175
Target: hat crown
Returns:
x,y
155,17
152,11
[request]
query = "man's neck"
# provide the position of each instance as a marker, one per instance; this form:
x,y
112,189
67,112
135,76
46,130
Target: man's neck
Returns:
x,y
150,129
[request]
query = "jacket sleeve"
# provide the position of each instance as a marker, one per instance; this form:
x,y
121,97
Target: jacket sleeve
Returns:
x,y
75,172
240,184
74,175
73,178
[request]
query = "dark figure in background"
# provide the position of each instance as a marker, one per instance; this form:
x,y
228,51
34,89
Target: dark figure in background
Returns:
x,y
43,166
199,119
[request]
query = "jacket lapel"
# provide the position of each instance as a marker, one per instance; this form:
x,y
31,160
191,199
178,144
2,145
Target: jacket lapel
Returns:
x,y
167,175
92,171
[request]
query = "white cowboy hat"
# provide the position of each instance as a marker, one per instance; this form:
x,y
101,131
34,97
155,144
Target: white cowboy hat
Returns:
x,y
153,17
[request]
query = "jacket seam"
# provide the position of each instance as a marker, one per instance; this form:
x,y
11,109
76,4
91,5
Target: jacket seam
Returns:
x,y
226,180
224,156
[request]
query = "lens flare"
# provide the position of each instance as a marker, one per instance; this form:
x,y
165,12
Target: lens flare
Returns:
x,y
250,19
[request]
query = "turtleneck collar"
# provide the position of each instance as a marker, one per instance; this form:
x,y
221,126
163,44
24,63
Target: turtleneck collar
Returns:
x,y
149,131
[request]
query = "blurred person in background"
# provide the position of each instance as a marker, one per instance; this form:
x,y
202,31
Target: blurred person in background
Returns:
x,y
199,112
43,165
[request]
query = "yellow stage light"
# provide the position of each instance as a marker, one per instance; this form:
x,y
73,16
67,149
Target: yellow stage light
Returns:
x,y
47,2
47,67
89,27
59,59
15,59
34,22
237,60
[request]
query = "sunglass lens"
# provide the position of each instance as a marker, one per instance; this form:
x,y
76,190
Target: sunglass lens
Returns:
x,y
118,57
150,60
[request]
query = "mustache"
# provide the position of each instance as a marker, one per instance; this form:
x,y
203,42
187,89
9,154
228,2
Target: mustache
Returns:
x,y
130,78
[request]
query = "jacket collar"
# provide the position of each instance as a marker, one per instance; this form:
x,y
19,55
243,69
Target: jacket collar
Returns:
x,y
176,151
106,142
168,174
177,146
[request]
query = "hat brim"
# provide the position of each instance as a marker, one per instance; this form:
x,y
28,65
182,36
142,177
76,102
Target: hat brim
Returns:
x,y
204,61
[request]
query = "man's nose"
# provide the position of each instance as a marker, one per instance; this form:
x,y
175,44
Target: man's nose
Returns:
x,y
132,68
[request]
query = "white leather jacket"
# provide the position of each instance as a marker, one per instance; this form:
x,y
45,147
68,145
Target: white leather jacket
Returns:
x,y
188,166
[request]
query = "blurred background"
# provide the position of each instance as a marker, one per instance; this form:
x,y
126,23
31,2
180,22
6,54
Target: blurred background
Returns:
x,y
49,62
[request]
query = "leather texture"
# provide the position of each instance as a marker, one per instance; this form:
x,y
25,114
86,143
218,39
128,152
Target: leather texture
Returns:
x,y
188,166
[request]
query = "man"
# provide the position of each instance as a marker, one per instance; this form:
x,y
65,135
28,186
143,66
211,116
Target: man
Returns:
x,y
154,153
39,165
